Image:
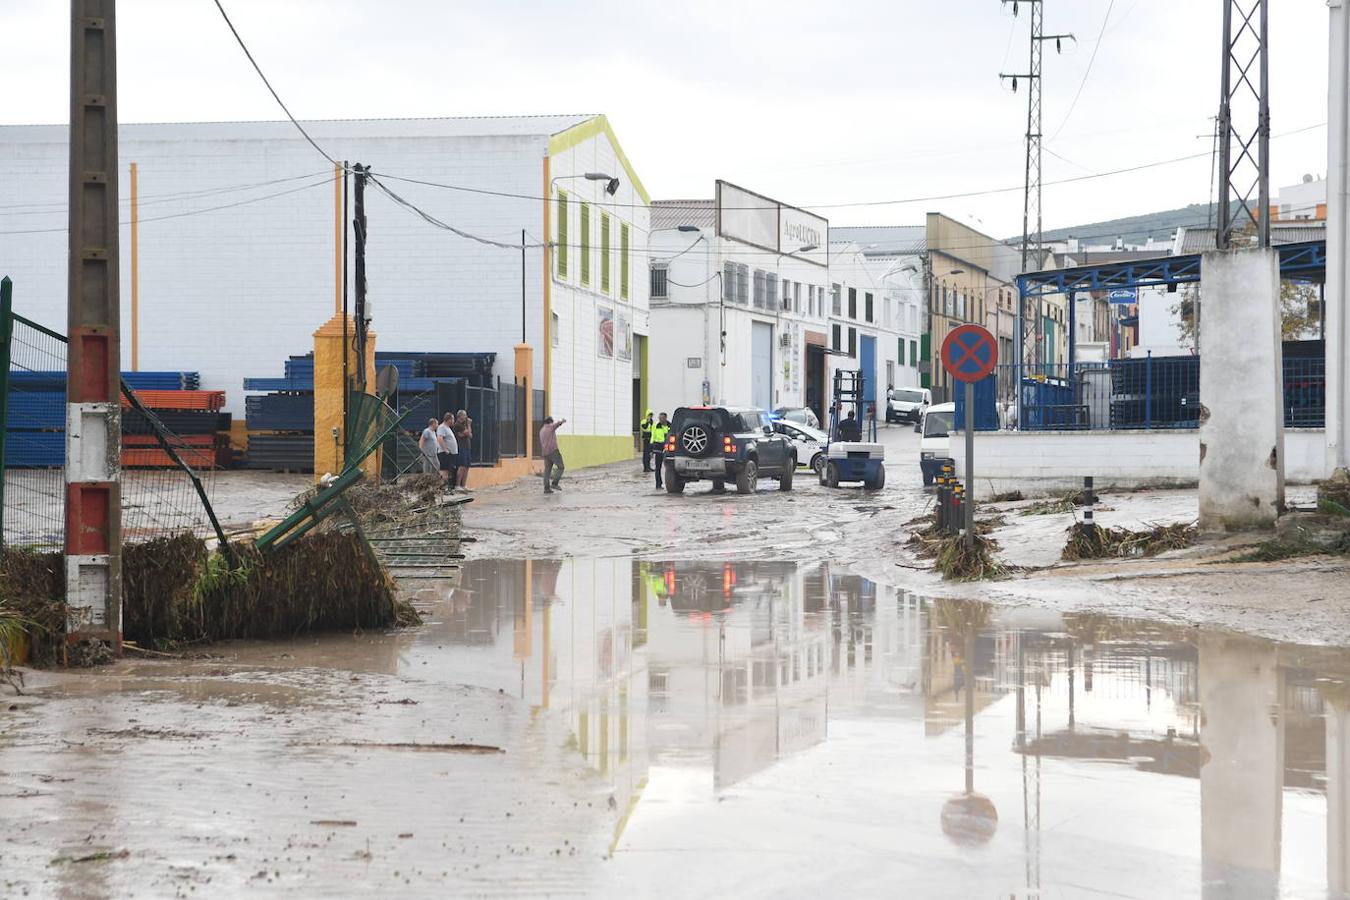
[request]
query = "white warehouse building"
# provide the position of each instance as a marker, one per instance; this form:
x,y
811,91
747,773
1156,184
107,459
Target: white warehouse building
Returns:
x,y
239,250
739,305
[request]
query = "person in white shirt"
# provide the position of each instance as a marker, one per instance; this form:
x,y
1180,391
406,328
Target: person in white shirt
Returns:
x,y
447,451
430,448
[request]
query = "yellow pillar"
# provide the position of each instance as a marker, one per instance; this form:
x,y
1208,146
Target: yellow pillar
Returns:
x,y
328,391
525,376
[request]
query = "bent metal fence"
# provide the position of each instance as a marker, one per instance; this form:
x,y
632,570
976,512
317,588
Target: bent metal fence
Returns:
x,y
167,479
1148,392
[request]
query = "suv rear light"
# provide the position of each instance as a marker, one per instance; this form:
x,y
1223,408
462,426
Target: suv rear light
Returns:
x,y
728,446
670,445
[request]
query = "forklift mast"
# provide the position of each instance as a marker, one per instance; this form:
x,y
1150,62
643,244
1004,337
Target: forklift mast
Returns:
x,y
848,389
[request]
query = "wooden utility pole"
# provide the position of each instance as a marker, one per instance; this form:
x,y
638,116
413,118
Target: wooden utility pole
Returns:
x,y
93,412
362,316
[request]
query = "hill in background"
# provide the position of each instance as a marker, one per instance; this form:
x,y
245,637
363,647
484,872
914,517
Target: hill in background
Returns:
x,y
1137,229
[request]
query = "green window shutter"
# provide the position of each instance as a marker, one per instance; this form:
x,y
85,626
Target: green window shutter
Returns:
x,y
585,243
604,252
623,260
926,347
560,251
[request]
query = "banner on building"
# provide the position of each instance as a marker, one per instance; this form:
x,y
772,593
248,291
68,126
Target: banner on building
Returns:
x,y
623,339
770,225
605,335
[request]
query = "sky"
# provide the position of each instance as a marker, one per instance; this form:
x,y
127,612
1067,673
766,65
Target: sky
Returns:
x,y
828,106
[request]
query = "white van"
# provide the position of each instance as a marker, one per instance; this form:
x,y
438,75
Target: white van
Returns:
x,y
935,445
907,404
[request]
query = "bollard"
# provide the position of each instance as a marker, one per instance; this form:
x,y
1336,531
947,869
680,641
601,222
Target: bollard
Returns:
x,y
1089,500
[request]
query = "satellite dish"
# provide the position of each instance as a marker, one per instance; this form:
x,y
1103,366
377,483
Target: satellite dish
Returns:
x,y
386,381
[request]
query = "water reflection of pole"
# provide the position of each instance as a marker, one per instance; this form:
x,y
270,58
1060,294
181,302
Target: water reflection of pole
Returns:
x,y
1071,653
968,676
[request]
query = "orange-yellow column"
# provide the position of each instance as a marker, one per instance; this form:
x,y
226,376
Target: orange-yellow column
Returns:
x,y
525,376
328,391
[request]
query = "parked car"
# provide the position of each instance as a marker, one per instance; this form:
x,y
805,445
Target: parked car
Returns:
x,y
935,445
807,443
721,444
907,404
803,415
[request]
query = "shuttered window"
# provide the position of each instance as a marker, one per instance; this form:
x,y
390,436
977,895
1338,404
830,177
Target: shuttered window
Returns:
x,y
623,260
585,216
604,252
560,250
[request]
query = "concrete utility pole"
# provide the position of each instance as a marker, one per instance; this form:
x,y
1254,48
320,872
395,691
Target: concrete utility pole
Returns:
x,y
93,409
1338,241
1244,133
1029,327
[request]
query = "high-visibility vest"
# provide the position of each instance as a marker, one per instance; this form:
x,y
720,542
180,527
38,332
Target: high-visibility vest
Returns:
x,y
645,426
659,433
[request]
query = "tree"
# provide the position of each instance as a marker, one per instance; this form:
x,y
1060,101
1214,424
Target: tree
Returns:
x,y
1300,312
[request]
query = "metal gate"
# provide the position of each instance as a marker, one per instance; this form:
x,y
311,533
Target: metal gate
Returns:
x,y
761,365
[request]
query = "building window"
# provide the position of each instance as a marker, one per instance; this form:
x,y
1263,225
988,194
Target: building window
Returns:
x,y
743,284
834,337
604,252
623,260
913,353
867,308
961,305
770,291
853,342
553,329
853,303
659,290
560,251
797,296
728,280
759,289
835,308
584,213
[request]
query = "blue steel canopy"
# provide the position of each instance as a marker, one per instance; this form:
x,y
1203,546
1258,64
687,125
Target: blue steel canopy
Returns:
x,y
1302,261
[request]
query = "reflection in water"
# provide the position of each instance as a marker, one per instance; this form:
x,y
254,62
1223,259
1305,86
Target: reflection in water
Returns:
x,y
1216,763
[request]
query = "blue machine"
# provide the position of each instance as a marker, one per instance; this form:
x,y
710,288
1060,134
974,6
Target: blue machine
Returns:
x,y
851,459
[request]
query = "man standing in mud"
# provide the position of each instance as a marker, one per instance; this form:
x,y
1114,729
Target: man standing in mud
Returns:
x,y
431,462
447,453
548,448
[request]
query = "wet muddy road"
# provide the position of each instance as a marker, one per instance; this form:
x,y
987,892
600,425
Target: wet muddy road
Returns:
x,y
674,728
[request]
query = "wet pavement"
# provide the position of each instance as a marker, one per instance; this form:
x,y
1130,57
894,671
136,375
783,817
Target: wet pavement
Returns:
x,y
605,726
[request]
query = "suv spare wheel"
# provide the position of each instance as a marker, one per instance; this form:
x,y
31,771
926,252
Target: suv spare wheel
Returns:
x,y
698,439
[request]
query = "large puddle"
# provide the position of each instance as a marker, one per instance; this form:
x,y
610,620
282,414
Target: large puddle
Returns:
x,y
699,729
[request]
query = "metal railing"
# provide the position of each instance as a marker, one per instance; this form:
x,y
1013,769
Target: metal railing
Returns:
x,y
1149,392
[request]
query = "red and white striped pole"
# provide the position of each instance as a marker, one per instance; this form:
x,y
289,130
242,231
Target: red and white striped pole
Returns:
x,y
93,411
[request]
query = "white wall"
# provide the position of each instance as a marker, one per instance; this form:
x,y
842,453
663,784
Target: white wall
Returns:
x,y
883,279
233,292
595,392
1159,327
1042,463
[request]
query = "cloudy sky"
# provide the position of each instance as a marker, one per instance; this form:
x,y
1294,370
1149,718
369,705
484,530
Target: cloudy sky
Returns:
x,y
819,104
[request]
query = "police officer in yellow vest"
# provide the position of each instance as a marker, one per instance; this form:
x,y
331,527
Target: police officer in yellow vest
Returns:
x,y
645,436
660,431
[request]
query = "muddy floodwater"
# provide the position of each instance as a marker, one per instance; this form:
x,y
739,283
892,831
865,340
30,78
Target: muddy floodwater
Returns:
x,y
608,727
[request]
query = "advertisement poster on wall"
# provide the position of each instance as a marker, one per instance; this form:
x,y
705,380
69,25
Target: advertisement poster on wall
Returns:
x,y
605,344
623,339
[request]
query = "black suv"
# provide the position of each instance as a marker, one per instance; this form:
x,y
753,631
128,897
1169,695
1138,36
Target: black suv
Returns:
x,y
719,444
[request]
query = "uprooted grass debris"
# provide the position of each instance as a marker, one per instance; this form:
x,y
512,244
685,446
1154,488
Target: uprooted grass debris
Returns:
x,y
1333,495
177,590
1095,542
953,558
1053,506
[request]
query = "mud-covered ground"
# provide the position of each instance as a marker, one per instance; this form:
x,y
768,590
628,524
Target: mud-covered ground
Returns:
x,y
628,693
616,510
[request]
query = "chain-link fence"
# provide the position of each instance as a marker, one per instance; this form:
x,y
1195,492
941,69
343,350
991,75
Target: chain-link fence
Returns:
x,y
171,444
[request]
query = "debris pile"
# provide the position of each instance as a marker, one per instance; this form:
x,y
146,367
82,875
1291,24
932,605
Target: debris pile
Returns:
x,y
1333,495
1095,542
952,557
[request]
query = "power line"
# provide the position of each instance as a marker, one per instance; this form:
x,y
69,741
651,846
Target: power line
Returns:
x,y
1087,72
191,212
270,89
61,206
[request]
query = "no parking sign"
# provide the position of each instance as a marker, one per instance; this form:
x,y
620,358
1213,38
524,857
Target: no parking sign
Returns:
x,y
969,353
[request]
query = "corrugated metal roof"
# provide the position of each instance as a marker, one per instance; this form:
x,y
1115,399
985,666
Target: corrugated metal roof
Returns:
x,y
1198,240
449,126
667,214
884,240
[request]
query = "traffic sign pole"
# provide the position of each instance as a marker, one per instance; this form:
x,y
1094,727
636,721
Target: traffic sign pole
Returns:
x,y
970,354
970,464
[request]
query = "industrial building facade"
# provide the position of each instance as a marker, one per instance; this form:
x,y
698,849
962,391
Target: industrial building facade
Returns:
x,y
238,251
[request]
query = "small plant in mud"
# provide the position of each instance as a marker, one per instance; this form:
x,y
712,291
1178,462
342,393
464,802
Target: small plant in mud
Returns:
x,y
14,630
1095,542
1333,495
1053,506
